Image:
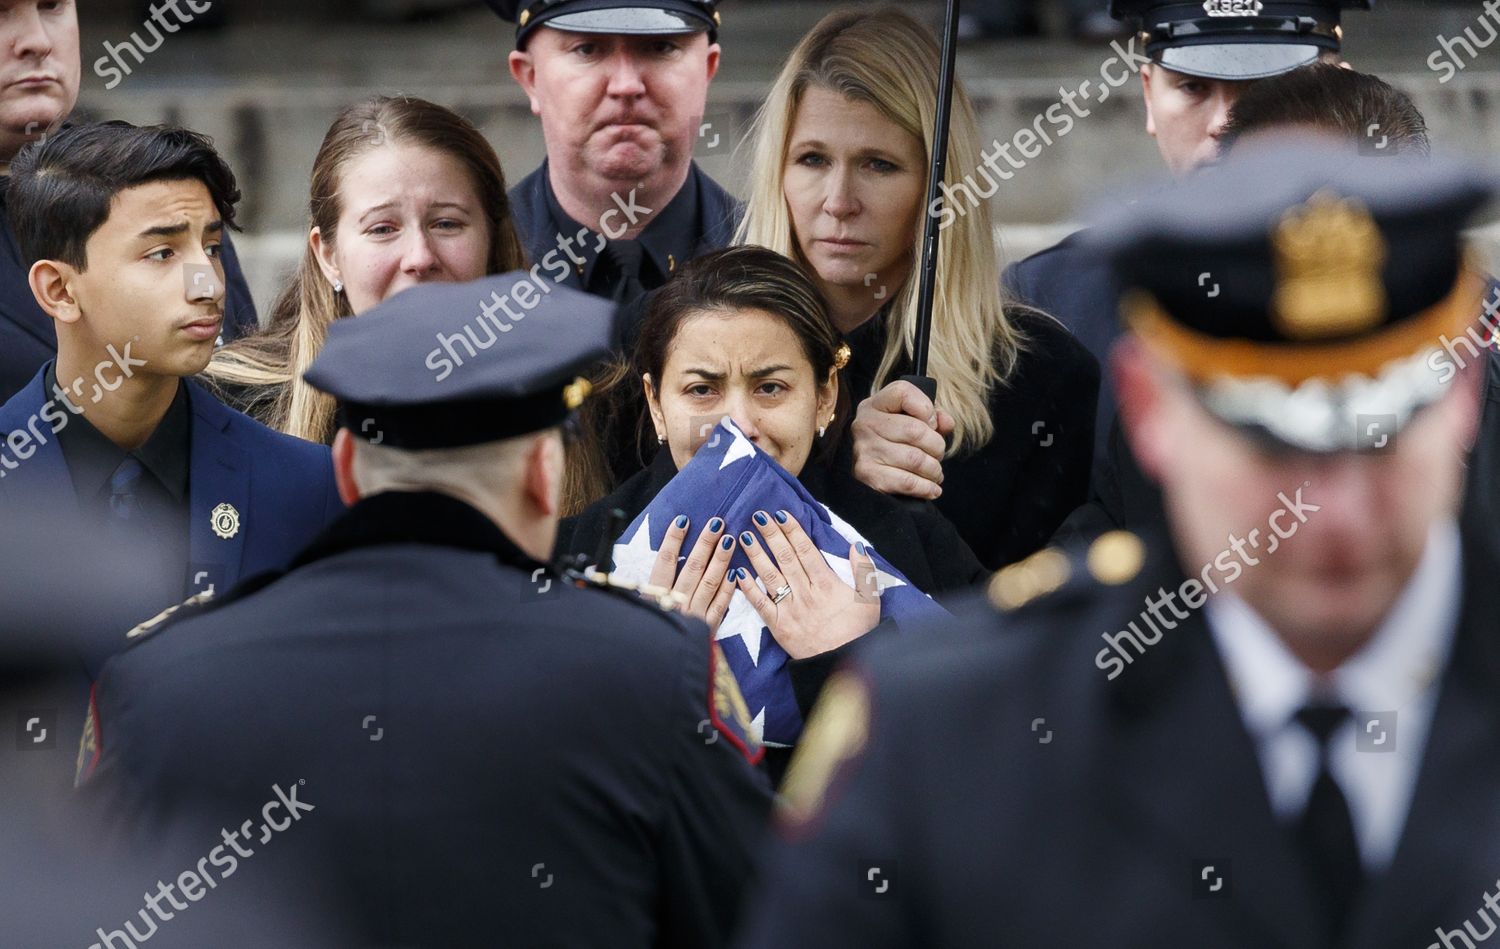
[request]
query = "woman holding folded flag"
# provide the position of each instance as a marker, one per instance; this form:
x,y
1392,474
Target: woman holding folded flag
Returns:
x,y
838,183
754,505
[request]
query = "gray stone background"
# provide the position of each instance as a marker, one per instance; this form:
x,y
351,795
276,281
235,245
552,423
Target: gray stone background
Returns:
x,y
268,81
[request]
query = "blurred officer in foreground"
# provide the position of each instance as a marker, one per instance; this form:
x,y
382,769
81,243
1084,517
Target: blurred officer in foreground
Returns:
x,y
1321,99
1275,728
39,77
63,885
1202,56
488,754
621,88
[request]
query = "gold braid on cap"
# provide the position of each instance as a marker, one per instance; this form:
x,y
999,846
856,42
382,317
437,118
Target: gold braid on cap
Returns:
x,y
841,356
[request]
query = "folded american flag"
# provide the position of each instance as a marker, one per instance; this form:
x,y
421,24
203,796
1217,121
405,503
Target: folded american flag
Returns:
x,y
731,478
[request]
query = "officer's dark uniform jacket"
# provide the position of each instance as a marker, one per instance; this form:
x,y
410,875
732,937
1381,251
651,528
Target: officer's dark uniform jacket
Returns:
x,y
1013,795
700,218
1075,285
495,757
27,337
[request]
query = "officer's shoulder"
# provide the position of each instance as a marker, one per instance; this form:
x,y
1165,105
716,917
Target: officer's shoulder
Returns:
x,y
1068,252
196,606
1030,626
649,604
1071,575
524,193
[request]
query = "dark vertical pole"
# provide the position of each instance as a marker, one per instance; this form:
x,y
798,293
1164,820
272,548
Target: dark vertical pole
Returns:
x,y
931,233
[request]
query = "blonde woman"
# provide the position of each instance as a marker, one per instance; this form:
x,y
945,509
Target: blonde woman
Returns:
x,y
403,192
839,180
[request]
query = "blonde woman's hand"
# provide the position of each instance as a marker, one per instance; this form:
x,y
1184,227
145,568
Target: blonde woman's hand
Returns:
x,y
898,442
820,612
703,579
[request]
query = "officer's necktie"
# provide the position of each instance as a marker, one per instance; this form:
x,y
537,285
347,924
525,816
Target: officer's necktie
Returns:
x,y
627,257
124,501
1325,832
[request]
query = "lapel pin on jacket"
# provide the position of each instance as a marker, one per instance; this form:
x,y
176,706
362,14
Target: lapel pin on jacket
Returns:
x,y
225,521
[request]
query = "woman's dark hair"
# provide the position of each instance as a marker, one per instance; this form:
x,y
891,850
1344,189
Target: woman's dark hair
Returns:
x,y
740,278
737,278
61,187
1354,105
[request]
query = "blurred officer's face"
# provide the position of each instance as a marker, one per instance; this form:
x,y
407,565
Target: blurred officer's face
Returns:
x,y
408,215
746,364
39,69
854,183
617,109
1185,114
153,280
1327,586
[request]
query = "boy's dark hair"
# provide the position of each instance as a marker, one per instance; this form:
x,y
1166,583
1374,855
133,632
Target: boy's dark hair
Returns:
x,y
1353,105
61,187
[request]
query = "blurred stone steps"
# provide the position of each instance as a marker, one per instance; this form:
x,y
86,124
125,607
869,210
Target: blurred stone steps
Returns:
x,y
267,88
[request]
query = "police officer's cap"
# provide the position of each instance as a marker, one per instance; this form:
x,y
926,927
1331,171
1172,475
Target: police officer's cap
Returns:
x,y
444,365
1306,292
1237,39
628,17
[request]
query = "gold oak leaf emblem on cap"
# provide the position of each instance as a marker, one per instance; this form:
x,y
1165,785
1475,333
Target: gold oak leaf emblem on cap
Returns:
x,y
1329,258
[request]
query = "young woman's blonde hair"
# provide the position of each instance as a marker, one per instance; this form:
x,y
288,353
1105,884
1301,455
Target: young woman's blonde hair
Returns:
x,y
265,370
889,60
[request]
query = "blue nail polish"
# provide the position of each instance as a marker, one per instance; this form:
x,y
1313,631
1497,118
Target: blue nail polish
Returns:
x,y
727,543
715,525
681,521
748,540
761,519
781,517
860,546
744,574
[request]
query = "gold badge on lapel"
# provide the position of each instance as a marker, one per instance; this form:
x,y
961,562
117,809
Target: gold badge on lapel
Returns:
x,y
1329,262
225,520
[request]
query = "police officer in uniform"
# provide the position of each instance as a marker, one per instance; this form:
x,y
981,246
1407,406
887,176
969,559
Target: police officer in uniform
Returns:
x,y
1203,54
1274,727
486,753
621,88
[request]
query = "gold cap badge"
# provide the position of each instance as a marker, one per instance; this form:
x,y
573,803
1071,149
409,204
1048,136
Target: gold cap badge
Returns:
x,y
1329,260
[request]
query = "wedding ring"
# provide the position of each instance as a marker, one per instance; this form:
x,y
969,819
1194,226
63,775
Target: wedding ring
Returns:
x,y
781,594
